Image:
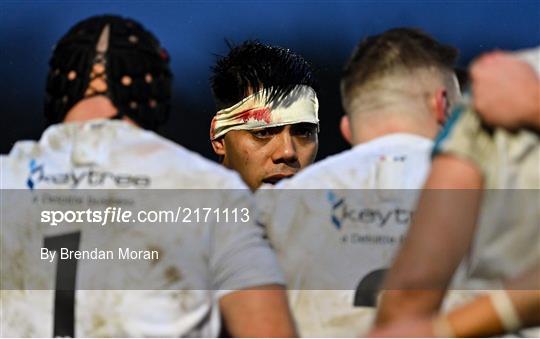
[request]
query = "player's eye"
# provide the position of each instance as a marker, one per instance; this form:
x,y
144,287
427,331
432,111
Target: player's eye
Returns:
x,y
304,130
266,133
261,133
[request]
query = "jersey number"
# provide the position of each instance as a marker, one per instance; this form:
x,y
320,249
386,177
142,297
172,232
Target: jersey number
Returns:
x,y
64,295
368,289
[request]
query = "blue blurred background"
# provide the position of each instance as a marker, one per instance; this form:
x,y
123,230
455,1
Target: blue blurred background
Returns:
x,y
195,32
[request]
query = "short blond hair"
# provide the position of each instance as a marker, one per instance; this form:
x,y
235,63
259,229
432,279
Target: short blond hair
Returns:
x,y
401,53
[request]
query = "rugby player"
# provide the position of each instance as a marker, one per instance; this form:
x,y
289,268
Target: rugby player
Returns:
x,y
108,86
334,243
267,121
490,152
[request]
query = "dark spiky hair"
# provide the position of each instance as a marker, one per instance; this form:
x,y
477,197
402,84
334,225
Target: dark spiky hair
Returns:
x,y
253,66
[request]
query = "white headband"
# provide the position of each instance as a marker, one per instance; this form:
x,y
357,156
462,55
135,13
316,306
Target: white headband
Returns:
x,y
253,112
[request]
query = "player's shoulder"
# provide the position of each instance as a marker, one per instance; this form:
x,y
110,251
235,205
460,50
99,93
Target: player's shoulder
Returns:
x,y
320,173
23,150
15,164
180,166
354,165
117,146
465,136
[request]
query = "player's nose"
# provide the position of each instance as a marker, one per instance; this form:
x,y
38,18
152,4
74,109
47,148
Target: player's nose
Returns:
x,y
285,148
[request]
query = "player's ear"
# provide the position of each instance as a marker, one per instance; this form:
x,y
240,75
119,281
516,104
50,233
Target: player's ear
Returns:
x,y
219,146
440,105
345,128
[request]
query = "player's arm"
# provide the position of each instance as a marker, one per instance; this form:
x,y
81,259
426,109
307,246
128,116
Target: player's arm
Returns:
x,y
506,91
493,314
258,312
247,277
488,315
439,237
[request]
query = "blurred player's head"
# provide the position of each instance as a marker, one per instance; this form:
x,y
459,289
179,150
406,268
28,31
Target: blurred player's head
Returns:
x,y
399,81
108,67
267,120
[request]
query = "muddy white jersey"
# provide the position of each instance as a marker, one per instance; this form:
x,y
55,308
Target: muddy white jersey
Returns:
x,y
336,225
507,231
173,294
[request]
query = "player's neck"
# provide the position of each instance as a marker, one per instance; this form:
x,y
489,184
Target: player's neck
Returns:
x,y
365,132
98,107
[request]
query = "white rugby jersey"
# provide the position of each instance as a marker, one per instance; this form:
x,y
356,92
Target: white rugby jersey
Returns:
x,y
198,261
507,234
336,225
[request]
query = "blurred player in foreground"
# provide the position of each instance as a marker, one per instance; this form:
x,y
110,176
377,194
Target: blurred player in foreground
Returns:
x,y
267,124
335,242
490,152
104,68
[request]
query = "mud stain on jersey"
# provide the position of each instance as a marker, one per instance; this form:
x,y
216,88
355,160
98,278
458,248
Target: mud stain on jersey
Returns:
x,y
98,322
172,275
157,249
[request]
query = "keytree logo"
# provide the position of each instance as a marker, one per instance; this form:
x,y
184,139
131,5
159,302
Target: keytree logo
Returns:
x,y
341,212
34,171
336,203
89,177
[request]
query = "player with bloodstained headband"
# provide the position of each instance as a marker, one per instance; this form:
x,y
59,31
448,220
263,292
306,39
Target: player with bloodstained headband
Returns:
x,y
267,123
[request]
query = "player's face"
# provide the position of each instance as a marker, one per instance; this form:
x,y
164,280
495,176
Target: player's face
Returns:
x,y
268,155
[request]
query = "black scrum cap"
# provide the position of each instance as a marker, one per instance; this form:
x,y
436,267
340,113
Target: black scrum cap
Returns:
x,y
123,54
